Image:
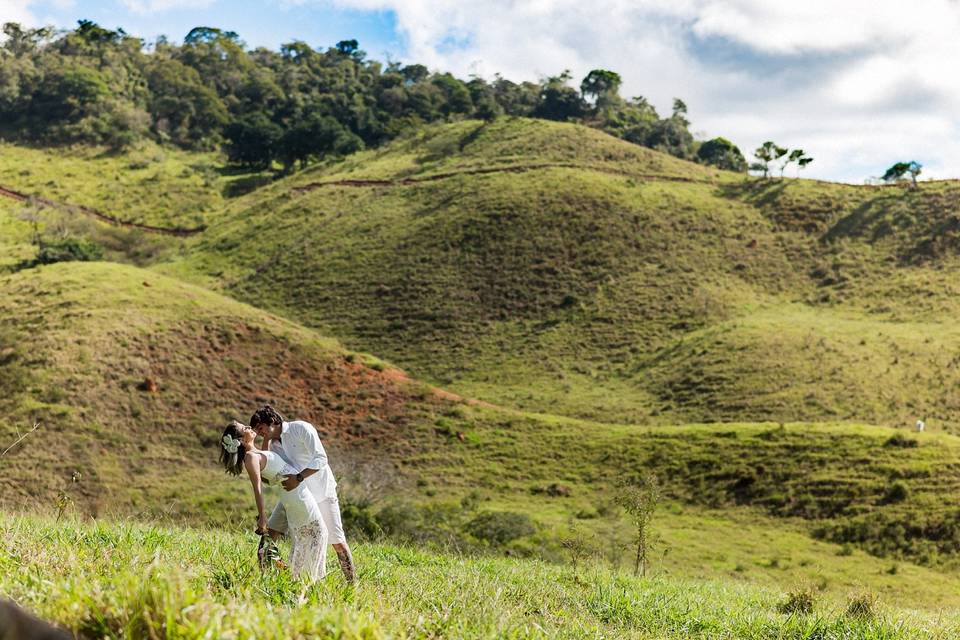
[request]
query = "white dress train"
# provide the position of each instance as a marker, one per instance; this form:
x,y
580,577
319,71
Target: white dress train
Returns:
x,y
308,559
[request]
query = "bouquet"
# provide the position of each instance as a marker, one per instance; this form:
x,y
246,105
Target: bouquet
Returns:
x,y
268,554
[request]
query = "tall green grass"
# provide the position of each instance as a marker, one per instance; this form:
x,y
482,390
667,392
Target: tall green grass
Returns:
x,y
124,580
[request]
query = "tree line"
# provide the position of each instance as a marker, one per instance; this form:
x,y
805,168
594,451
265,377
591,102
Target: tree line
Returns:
x,y
99,86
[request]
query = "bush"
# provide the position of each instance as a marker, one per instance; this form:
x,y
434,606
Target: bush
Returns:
x,y
862,605
359,520
69,249
900,440
399,520
898,492
554,490
433,524
500,527
800,601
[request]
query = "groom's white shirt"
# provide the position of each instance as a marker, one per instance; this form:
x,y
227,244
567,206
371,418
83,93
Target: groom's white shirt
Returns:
x,y
300,446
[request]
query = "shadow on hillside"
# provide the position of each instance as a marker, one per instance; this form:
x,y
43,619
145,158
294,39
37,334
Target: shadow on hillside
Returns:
x,y
436,207
471,137
243,186
242,180
942,240
760,192
869,219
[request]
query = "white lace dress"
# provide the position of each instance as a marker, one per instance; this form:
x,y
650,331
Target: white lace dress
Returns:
x,y
308,533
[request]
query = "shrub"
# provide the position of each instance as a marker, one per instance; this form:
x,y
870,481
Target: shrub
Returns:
x,y
500,527
723,154
800,601
433,524
69,249
900,440
359,520
863,606
554,490
898,492
399,520
444,427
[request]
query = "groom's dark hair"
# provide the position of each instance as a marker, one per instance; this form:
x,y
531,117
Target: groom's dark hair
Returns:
x,y
265,415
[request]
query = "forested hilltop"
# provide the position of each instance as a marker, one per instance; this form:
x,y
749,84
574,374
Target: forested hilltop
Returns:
x,y
98,86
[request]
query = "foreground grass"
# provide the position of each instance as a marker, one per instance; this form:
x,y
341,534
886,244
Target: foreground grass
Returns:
x,y
139,581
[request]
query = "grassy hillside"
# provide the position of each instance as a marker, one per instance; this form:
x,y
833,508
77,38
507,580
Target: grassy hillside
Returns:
x,y
153,185
510,143
135,205
551,268
134,375
84,345
15,237
191,584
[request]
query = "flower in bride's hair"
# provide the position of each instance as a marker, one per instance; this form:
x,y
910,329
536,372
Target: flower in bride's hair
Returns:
x,y
230,444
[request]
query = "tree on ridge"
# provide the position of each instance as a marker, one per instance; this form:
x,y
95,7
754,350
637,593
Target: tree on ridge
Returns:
x,y
901,169
767,153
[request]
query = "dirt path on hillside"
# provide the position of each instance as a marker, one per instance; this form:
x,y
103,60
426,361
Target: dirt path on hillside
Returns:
x,y
99,215
349,182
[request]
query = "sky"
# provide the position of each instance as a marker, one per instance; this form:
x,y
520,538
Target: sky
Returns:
x,y
857,84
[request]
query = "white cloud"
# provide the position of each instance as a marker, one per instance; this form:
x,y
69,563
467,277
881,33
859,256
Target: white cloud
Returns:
x,y
154,6
858,83
16,11
24,11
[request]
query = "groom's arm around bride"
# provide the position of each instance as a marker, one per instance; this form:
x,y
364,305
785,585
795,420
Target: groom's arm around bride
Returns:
x,y
299,443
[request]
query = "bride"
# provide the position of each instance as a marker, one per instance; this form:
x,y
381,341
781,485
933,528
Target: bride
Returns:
x,y
309,534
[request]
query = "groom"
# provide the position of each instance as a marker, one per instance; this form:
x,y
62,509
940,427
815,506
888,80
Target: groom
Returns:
x,y
298,443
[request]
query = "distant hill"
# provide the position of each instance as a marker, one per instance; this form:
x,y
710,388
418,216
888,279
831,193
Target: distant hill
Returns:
x,y
133,376
553,268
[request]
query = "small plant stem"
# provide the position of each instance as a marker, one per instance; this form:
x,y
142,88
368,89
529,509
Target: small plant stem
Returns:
x,y
18,440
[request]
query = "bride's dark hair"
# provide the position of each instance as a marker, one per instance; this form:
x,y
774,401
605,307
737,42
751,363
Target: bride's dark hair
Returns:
x,y
232,462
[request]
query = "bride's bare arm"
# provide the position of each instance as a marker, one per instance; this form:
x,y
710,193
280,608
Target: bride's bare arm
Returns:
x,y
252,464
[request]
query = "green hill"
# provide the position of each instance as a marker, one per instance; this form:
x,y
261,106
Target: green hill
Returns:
x,y
135,374
552,268
149,184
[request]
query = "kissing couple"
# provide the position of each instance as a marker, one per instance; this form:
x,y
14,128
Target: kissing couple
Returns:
x,y
291,456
